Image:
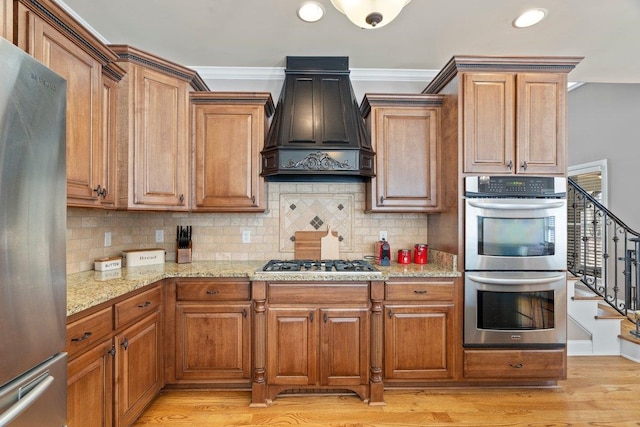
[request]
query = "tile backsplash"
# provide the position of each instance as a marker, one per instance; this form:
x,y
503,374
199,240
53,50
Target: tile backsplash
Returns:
x,y
218,236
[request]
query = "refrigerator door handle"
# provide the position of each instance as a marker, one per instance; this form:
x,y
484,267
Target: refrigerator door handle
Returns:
x,y
44,381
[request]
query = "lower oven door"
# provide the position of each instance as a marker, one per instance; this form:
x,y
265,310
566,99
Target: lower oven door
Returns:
x,y
515,309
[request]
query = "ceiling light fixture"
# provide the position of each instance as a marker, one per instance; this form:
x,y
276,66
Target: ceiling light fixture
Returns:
x,y
529,18
370,14
310,11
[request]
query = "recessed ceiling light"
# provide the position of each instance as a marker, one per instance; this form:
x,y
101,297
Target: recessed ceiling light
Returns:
x,y
310,11
529,18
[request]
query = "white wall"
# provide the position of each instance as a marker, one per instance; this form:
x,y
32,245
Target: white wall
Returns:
x,y
604,123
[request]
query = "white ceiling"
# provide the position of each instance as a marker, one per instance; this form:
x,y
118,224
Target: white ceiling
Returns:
x,y
261,33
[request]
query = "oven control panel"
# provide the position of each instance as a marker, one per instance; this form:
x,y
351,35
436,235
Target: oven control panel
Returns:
x,y
515,186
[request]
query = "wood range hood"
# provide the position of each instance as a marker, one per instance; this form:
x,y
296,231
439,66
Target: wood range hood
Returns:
x,y
317,133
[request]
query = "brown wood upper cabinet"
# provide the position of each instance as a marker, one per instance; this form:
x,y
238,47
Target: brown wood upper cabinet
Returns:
x,y
514,123
228,131
404,133
153,131
57,40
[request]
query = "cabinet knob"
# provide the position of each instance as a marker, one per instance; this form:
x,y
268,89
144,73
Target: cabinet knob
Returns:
x,y
181,198
253,200
325,318
311,316
524,165
125,343
510,165
390,314
112,352
381,200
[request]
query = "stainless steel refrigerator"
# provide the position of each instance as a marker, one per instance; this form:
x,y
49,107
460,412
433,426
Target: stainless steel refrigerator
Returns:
x,y
32,242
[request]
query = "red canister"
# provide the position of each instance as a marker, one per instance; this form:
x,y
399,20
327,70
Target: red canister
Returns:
x,y
404,256
420,253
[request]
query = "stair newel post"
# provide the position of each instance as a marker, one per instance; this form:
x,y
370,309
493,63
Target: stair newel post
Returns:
x,y
635,299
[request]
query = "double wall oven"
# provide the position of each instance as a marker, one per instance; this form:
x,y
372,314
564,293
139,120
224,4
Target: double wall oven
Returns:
x,y
515,261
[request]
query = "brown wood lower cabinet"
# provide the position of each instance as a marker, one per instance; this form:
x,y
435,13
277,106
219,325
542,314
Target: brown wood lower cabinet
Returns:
x,y
316,336
138,368
508,364
318,346
419,330
212,320
115,360
90,387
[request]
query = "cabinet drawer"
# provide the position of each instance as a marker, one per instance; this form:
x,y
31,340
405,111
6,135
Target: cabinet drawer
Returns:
x,y
211,290
138,306
515,364
318,293
85,332
419,291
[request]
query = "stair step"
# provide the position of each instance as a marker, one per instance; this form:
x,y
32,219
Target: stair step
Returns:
x,y
608,312
586,298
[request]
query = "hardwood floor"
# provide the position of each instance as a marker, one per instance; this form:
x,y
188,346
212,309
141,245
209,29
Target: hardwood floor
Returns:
x,y
599,391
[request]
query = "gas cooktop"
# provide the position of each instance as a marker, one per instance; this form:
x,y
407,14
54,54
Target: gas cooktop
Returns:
x,y
320,266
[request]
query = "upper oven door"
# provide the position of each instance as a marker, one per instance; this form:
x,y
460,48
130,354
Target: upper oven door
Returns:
x,y
507,234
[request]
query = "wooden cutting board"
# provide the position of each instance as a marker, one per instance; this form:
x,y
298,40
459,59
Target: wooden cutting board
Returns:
x,y
307,244
329,245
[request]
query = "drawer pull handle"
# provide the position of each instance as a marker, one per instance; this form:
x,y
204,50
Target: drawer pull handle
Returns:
x,y
125,343
516,365
421,292
85,336
213,292
145,305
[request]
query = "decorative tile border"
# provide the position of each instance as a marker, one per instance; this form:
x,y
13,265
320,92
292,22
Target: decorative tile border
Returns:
x,y
315,212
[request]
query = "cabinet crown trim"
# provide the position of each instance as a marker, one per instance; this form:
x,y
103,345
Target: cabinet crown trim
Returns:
x,y
538,64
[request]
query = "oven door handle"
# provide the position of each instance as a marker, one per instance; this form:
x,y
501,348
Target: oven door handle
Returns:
x,y
511,206
500,281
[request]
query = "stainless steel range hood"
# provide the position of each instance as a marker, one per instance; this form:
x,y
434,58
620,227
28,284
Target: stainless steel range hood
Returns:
x,y
317,132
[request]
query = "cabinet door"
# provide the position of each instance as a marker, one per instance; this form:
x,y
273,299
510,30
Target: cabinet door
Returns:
x,y
161,146
84,103
213,342
108,165
541,116
418,342
292,348
228,139
138,368
6,19
90,388
406,145
344,347
488,122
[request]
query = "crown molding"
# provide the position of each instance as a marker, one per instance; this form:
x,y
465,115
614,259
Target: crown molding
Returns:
x,y
277,73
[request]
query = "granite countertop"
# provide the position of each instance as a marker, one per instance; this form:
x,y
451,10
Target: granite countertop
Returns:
x,y
90,288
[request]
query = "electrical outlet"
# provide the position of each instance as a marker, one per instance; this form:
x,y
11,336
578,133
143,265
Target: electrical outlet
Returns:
x,y
246,236
107,239
383,235
159,236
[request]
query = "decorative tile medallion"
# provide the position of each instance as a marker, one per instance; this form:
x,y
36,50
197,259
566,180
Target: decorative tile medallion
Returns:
x,y
316,212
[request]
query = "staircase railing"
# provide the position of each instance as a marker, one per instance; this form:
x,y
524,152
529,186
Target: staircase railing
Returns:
x,y
603,252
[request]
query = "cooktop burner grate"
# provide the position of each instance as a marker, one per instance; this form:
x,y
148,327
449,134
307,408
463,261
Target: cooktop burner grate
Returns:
x,y
319,266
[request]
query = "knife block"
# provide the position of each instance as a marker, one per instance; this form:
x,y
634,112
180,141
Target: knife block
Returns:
x,y
183,255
